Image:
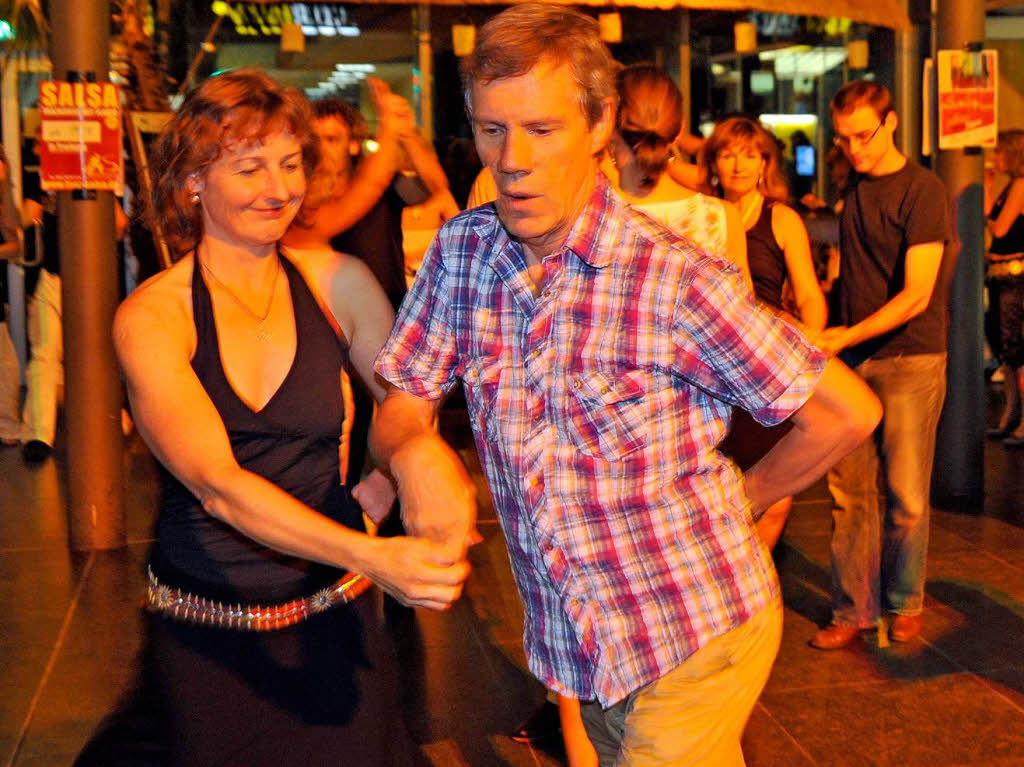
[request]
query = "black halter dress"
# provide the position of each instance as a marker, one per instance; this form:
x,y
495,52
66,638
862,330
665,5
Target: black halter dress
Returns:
x,y
321,692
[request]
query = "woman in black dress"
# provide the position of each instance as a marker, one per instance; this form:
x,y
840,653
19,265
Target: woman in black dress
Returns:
x,y
265,644
742,164
1004,215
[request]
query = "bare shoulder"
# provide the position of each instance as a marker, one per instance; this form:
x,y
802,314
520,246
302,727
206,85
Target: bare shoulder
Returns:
x,y
785,216
159,308
330,272
786,223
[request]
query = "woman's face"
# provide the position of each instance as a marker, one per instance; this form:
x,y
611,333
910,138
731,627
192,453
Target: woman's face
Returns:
x,y
999,161
251,193
739,167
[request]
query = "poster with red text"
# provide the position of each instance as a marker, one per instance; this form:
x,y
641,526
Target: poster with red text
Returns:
x,y
968,88
80,136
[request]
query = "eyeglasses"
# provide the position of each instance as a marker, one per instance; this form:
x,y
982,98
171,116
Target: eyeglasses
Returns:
x,y
861,139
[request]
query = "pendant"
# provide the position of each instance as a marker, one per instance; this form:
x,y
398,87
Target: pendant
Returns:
x,y
262,334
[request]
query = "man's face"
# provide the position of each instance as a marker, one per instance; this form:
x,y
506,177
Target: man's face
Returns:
x,y
864,137
335,142
532,134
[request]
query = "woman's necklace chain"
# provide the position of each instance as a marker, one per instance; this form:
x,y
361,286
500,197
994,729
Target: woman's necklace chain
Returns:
x,y
262,334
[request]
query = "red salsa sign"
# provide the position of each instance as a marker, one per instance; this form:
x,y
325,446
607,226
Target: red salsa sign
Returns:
x,y
968,98
80,136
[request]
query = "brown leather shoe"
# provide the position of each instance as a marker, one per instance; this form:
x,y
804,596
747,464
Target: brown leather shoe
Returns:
x,y
905,627
835,637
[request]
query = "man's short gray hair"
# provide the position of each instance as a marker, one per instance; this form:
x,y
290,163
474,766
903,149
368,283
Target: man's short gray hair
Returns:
x,y
516,40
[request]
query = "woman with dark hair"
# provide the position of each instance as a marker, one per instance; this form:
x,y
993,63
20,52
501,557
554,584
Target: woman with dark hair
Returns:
x,y
1005,279
649,118
742,164
265,644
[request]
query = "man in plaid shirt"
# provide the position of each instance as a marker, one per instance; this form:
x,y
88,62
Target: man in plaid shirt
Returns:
x,y
601,356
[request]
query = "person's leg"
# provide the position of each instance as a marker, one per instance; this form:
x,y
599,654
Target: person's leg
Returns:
x,y
912,390
695,714
43,372
10,386
605,728
579,751
856,536
1011,342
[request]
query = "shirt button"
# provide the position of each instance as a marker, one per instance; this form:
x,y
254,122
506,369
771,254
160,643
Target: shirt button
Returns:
x,y
574,602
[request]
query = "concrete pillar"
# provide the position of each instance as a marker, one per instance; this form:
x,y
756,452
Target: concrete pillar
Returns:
x,y
908,92
959,467
92,391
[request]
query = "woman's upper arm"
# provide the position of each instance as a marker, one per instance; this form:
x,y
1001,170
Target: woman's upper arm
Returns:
x,y
1012,208
171,409
361,307
791,234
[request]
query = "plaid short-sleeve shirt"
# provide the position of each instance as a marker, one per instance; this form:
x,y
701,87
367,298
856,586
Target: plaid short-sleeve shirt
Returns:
x,y
597,407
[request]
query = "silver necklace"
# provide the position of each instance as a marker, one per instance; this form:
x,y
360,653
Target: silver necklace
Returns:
x,y
262,334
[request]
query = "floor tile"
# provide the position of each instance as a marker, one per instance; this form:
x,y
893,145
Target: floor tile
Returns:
x,y
946,720
767,744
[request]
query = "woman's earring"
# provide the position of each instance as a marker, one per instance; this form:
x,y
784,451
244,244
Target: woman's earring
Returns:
x,y
714,180
194,198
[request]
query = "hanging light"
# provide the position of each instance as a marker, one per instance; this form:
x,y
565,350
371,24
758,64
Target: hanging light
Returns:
x,y
292,39
857,54
745,34
610,25
463,39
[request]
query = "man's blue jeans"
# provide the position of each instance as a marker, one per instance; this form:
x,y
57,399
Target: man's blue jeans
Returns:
x,y
872,568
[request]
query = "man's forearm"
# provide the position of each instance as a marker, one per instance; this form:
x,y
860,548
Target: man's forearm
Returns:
x,y
425,163
840,414
898,310
438,497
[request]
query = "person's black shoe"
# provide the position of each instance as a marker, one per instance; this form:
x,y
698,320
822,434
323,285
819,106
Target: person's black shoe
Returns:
x,y
542,725
35,451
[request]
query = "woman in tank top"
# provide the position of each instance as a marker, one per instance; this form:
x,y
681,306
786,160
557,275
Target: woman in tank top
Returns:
x,y
649,119
742,164
264,643
1004,323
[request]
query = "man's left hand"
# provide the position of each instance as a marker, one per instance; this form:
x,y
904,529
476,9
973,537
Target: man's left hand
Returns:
x,y
375,494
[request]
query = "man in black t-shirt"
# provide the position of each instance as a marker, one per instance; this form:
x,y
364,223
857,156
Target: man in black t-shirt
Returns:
x,y
894,290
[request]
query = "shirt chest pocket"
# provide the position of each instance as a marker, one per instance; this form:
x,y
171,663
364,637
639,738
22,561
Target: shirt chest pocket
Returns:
x,y
482,381
606,415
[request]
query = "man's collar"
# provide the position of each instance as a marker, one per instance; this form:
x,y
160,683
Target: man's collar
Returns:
x,y
598,229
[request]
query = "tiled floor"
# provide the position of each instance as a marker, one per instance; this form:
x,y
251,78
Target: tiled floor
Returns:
x,y
70,631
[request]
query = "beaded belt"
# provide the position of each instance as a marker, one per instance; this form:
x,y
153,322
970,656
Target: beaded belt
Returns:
x,y
1005,269
183,606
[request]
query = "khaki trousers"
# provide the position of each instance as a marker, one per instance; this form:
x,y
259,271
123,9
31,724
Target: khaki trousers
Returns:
x,y
695,714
